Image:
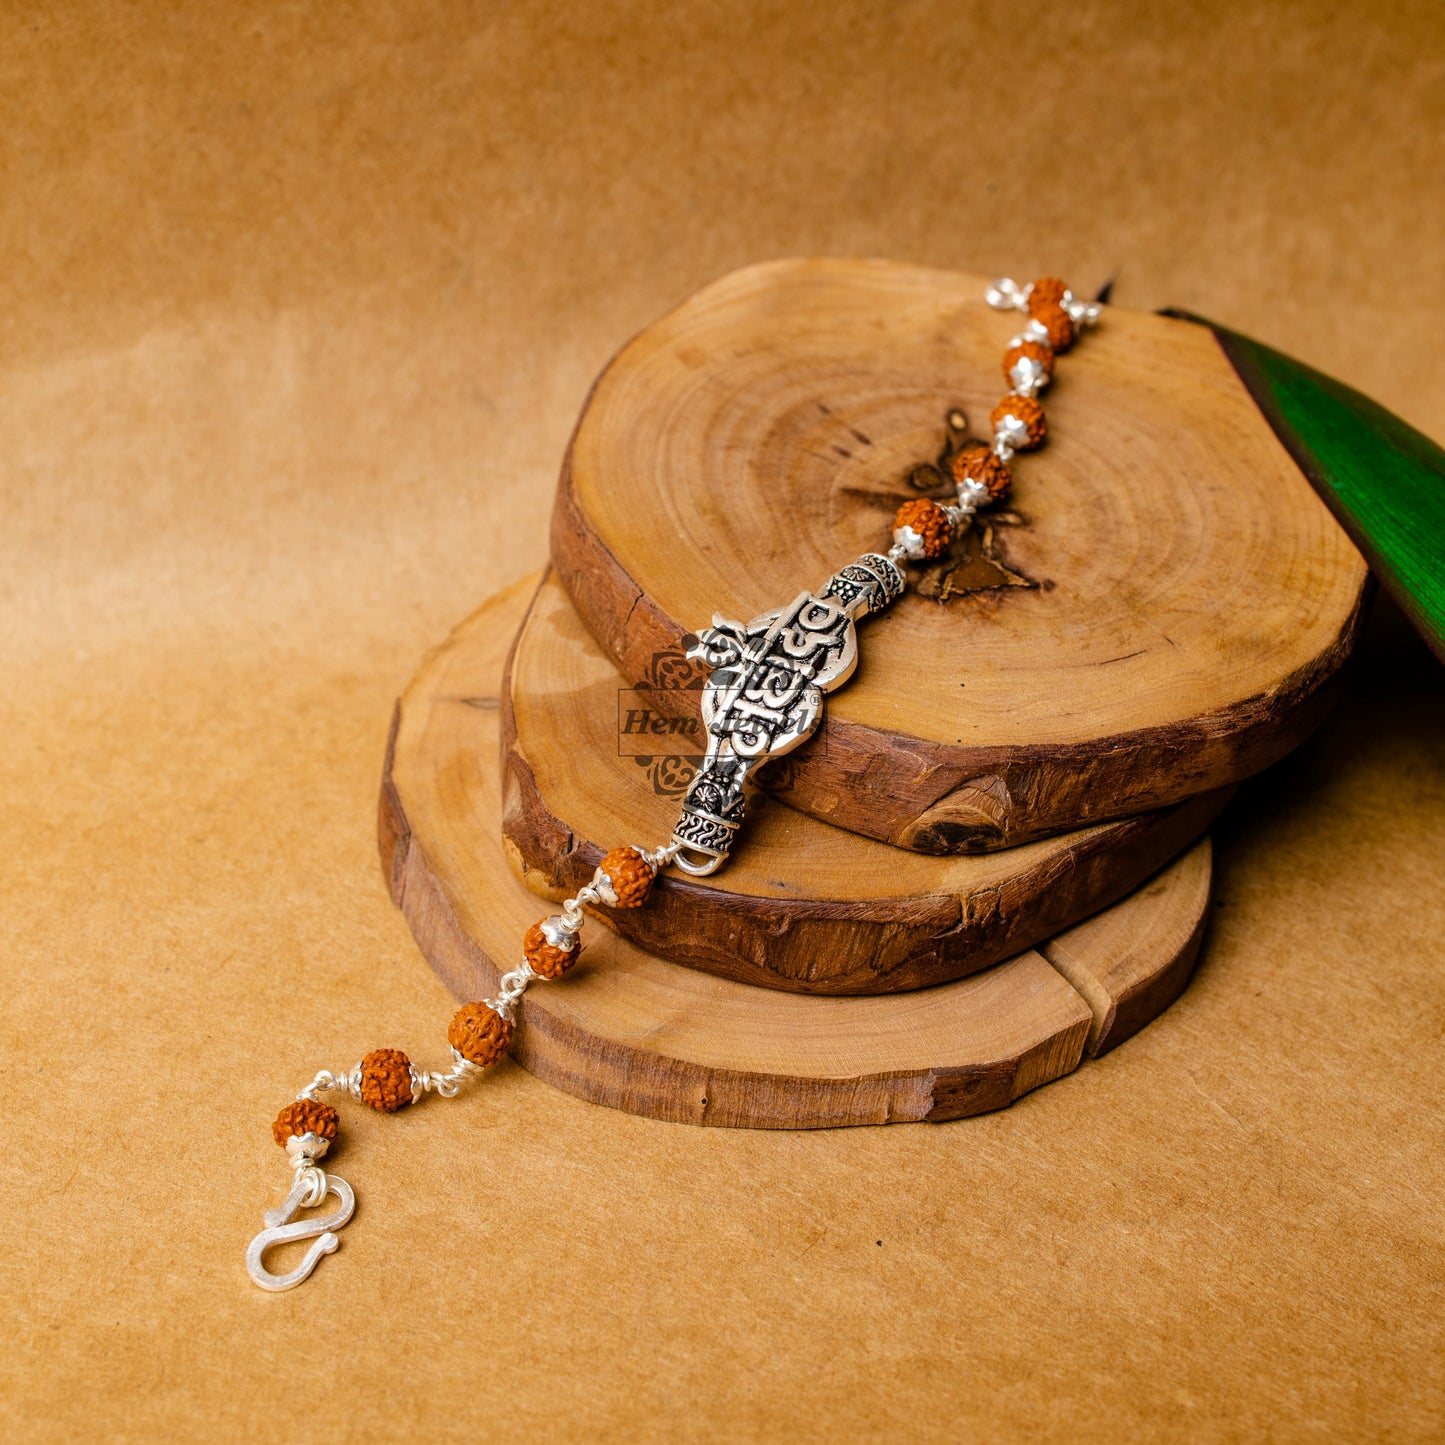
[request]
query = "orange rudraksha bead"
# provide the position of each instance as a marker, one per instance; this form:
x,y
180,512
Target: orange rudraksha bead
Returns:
x,y
544,956
479,1034
630,875
386,1080
1028,413
1034,351
305,1116
978,464
929,524
1057,323
1046,291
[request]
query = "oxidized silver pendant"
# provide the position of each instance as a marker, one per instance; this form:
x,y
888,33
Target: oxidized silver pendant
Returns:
x,y
765,695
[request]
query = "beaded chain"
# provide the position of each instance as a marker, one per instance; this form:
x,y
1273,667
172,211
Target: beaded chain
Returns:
x,y
763,698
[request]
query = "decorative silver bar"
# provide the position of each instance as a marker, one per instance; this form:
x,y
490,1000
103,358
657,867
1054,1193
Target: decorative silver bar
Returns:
x,y
765,695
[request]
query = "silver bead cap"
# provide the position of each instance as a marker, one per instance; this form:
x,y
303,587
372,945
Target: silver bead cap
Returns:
x,y
972,495
908,542
307,1146
1011,430
1028,376
557,932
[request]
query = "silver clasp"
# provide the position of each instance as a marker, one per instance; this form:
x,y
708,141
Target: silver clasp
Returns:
x,y
311,1187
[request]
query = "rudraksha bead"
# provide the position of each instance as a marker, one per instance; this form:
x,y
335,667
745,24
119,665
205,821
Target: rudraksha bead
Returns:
x,y
979,464
386,1080
544,956
1046,291
479,1034
1057,323
1027,411
929,522
1027,350
305,1116
631,876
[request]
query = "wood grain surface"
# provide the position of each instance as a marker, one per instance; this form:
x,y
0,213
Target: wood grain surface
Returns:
x,y
1190,596
634,1032
802,906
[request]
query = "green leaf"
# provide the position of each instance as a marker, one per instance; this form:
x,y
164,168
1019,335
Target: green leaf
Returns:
x,y
1383,480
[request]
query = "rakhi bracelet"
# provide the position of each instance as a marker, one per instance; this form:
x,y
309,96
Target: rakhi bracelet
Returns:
x,y
764,697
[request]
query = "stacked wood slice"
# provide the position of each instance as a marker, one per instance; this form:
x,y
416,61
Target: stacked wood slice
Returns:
x,y
989,862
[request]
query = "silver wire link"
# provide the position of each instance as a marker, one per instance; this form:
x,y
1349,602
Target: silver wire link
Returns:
x,y
308,1173
572,909
445,1084
510,990
1007,295
347,1081
658,858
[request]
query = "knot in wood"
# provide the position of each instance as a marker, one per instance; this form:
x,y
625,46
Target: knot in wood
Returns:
x,y
544,956
479,1033
929,521
1029,413
978,463
631,876
305,1116
386,1080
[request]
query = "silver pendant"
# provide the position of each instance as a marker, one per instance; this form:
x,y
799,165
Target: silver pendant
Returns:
x,y
765,695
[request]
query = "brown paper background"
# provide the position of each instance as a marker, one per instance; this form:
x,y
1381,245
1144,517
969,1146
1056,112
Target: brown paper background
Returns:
x,y
297,304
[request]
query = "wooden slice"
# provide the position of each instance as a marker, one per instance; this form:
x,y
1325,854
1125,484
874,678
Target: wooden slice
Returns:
x,y
802,906
1130,963
631,1031
1160,614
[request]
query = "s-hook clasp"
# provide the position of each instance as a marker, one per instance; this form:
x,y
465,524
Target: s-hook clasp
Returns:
x,y
311,1187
